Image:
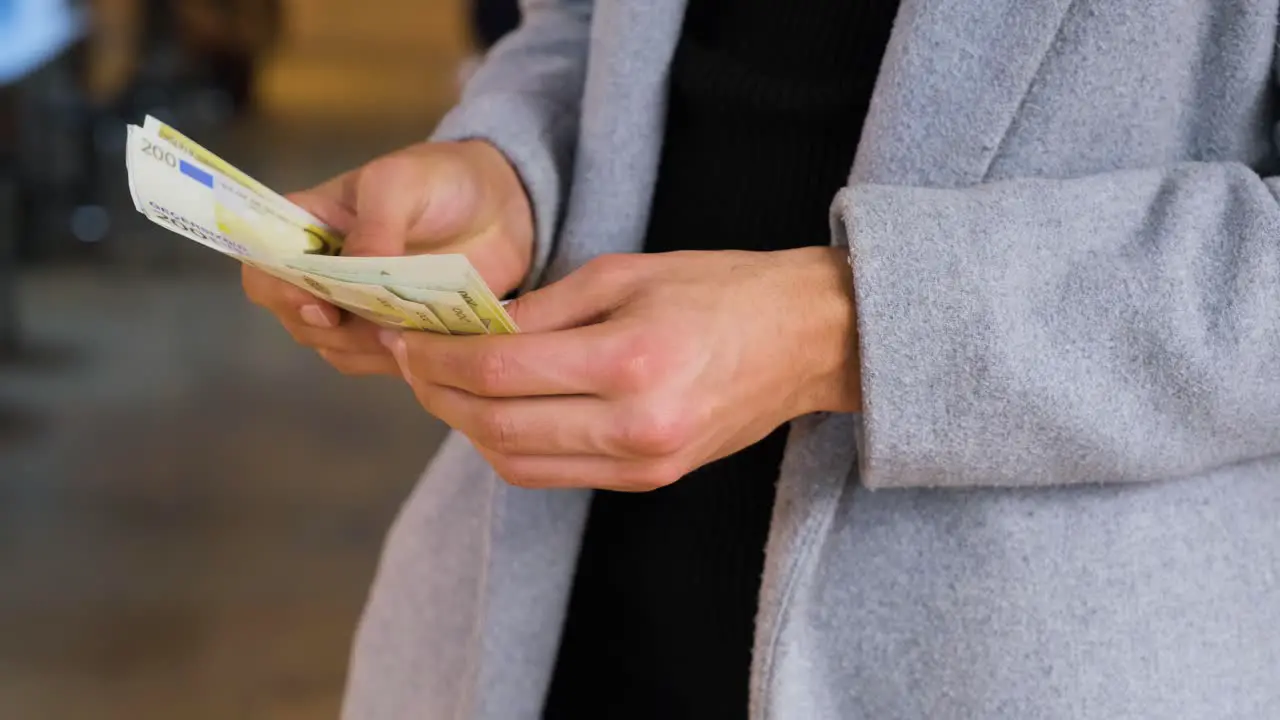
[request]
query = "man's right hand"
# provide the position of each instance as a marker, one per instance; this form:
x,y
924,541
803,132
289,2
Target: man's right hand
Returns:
x,y
429,198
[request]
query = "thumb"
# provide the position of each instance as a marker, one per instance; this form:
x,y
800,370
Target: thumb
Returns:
x,y
388,198
413,201
586,296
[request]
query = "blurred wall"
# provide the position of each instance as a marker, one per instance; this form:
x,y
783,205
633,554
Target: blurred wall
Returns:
x,y
366,58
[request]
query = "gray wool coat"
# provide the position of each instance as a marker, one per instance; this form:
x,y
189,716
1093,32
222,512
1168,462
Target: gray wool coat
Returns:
x,y
1063,499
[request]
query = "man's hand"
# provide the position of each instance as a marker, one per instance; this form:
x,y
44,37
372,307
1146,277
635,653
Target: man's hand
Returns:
x,y
637,369
428,198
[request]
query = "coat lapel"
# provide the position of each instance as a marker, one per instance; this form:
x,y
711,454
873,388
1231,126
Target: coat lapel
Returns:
x,y
623,120
952,80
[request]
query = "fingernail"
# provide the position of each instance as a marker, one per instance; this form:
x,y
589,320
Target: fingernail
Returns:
x,y
390,339
315,317
394,342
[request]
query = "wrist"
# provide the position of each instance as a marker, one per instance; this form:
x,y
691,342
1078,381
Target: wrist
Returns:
x,y
511,205
509,213
831,378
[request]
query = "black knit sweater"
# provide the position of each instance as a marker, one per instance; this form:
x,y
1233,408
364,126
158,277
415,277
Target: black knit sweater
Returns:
x,y
766,105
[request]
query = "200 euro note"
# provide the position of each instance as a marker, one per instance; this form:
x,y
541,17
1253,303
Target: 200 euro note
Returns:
x,y
191,199
182,186
197,202
373,303
435,288
322,238
410,277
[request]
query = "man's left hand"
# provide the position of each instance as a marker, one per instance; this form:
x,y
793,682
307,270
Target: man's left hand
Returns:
x,y
637,369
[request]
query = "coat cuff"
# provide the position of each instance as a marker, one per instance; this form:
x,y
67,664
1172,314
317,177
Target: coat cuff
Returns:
x,y
537,139
914,312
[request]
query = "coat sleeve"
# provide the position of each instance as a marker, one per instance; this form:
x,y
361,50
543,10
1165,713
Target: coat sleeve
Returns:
x,y
1116,328
526,100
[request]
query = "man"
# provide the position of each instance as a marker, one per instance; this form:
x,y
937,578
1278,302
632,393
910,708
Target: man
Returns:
x,y
1029,397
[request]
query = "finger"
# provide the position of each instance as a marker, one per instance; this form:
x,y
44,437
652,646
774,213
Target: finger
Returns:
x,y
271,292
577,425
356,335
359,364
601,473
606,360
387,198
291,304
410,194
583,297
328,202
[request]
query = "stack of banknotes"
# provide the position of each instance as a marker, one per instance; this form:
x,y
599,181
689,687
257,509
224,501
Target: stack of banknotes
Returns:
x,y
185,188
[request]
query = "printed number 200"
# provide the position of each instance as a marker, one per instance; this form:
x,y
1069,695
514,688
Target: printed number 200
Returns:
x,y
159,153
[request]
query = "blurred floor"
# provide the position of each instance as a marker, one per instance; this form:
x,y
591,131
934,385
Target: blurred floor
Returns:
x,y
190,505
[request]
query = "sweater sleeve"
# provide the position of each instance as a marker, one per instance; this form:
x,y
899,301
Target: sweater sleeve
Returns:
x,y
1116,328
526,100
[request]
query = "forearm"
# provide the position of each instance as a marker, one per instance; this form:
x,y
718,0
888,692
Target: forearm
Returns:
x,y
1122,327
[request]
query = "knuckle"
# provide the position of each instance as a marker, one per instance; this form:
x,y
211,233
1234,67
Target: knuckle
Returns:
x,y
496,430
490,372
395,166
655,431
657,475
609,268
515,476
638,366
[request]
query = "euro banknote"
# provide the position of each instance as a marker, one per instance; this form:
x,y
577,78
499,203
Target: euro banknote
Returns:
x,y
321,238
187,189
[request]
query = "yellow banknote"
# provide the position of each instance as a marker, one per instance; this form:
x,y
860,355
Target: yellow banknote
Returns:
x,y
371,302
449,273
188,190
452,310
323,239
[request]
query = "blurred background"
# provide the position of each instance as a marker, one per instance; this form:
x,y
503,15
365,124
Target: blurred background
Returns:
x,y
191,507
